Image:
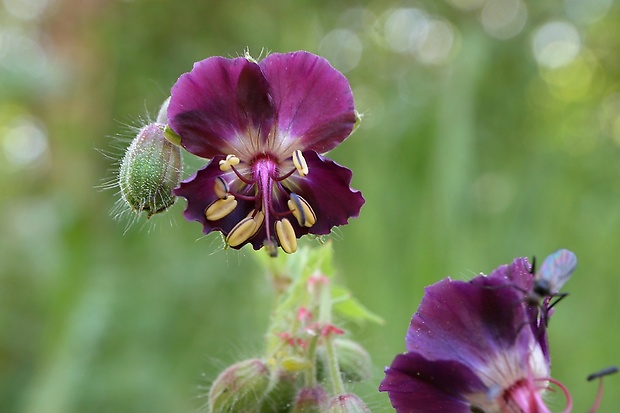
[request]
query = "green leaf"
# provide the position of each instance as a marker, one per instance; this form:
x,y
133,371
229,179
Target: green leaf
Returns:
x,y
350,308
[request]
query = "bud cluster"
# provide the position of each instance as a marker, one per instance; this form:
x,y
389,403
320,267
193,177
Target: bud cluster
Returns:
x,y
307,358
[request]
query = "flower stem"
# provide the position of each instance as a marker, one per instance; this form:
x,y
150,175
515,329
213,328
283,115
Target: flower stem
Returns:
x,y
325,320
310,373
333,366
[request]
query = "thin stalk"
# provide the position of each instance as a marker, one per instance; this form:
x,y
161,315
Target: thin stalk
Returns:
x,y
325,319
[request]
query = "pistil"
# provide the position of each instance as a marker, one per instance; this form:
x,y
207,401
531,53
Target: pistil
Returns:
x,y
264,170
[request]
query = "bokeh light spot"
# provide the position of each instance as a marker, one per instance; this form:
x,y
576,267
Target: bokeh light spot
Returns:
x,y
570,82
436,46
343,48
357,19
404,28
24,143
587,11
556,44
504,19
20,54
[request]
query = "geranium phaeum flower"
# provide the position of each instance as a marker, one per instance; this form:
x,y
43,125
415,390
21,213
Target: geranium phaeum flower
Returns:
x,y
475,346
264,126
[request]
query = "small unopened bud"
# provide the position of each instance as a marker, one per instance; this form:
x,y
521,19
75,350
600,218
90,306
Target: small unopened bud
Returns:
x,y
281,394
150,170
353,360
310,400
240,388
346,403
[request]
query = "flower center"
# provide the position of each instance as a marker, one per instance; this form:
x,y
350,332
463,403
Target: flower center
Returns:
x,y
523,396
260,181
526,396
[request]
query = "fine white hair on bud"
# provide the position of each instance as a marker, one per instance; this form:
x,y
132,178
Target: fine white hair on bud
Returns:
x,y
149,171
241,387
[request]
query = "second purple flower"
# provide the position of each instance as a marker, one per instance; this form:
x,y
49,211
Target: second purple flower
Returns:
x,y
264,126
477,346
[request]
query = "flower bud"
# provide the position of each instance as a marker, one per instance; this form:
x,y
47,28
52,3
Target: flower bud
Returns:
x,y
240,388
281,394
353,360
310,400
346,403
150,170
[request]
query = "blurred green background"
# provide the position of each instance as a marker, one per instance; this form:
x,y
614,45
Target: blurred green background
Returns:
x,y
491,131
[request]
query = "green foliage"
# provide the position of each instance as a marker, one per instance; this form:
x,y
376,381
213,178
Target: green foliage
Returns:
x,y
351,308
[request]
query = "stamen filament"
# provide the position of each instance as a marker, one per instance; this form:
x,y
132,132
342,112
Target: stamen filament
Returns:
x,y
283,177
599,393
240,176
569,400
244,197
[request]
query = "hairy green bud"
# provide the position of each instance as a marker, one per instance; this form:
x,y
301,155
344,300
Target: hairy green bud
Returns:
x,y
346,403
310,400
150,170
281,392
353,360
242,387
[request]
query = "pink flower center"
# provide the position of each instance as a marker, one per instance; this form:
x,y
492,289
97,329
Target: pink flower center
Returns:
x,y
526,396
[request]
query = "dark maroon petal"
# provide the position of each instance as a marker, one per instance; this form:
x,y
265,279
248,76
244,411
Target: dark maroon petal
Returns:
x,y
327,190
314,102
519,276
472,322
417,385
198,190
220,106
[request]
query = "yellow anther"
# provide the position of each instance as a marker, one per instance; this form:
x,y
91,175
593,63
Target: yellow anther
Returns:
x,y
300,163
301,210
241,232
229,162
286,235
220,187
220,208
258,218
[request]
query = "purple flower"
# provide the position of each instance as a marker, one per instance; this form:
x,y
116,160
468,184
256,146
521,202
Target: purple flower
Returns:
x,y
475,346
264,126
